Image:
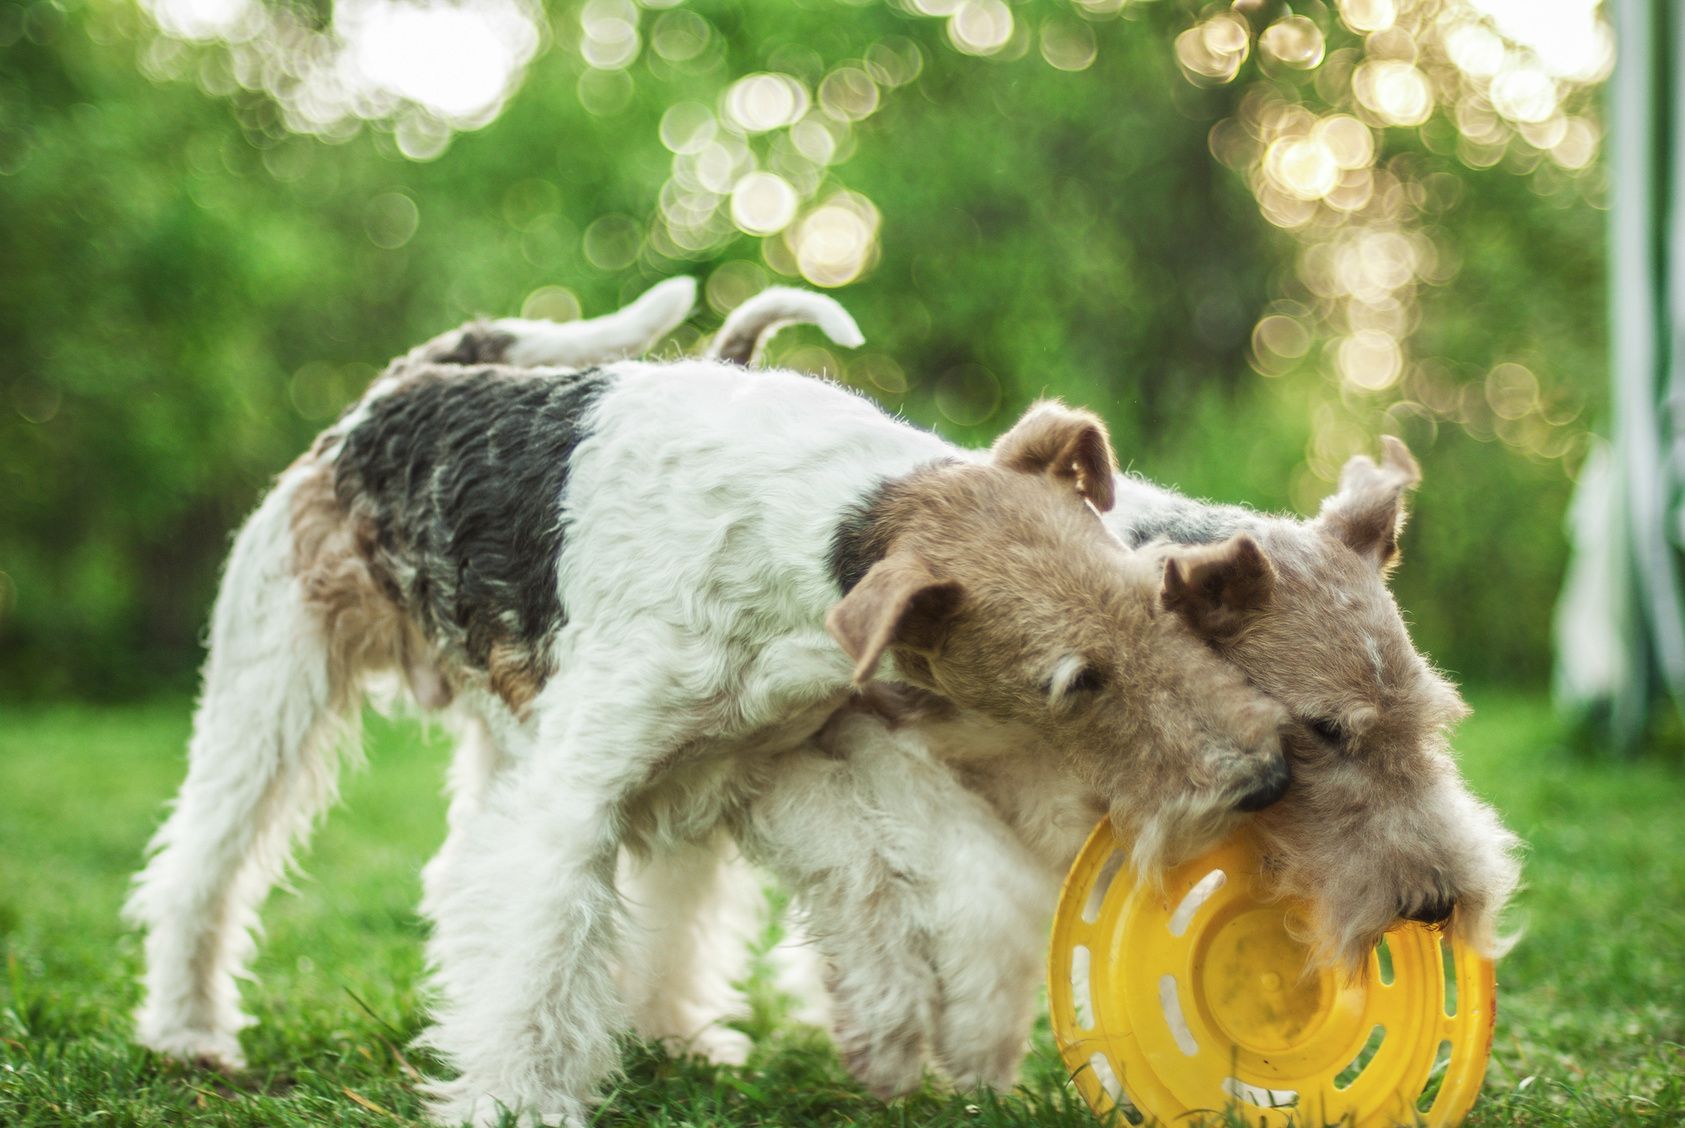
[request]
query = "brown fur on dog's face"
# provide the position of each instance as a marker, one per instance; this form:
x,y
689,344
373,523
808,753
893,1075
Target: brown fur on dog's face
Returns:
x,y
1000,590
1377,824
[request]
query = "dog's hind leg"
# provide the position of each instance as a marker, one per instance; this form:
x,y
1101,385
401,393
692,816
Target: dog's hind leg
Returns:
x,y
475,764
261,764
691,912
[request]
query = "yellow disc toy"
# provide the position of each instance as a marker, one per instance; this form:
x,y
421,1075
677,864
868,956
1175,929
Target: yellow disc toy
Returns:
x,y
1194,997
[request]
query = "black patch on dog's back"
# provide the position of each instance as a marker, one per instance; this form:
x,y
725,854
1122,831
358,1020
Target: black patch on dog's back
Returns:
x,y
1187,522
455,480
857,542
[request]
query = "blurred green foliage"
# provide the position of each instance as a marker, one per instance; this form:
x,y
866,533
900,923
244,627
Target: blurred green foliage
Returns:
x,y
189,293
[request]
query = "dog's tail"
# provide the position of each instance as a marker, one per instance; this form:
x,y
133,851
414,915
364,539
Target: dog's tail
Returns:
x,y
751,325
262,762
526,343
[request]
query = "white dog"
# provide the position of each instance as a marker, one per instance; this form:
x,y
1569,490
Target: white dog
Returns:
x,y
641,587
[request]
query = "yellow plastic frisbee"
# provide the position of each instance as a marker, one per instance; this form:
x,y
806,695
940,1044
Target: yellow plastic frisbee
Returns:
x,y
1194,997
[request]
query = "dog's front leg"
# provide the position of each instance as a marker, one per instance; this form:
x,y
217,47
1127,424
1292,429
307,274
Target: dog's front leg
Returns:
x,y
928,912
812,827
526,920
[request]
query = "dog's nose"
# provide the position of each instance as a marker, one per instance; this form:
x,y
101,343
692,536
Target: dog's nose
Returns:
x,y
1432,912
1270,787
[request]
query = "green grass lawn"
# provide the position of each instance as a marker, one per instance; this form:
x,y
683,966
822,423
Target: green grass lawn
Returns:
x,y
1590,1026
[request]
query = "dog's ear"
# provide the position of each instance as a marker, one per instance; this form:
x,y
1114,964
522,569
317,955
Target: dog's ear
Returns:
x,y
1366,513
1216,589
897,603
1064,443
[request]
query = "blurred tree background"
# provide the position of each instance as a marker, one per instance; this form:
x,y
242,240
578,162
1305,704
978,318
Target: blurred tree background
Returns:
x,y
1253,236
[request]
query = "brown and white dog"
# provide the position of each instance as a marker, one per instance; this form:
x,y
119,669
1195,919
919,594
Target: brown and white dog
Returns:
x,y
1378,824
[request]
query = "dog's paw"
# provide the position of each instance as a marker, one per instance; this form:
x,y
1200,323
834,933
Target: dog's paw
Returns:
x,y
888,1066
456,1103
985,1067
720,1045
207,1049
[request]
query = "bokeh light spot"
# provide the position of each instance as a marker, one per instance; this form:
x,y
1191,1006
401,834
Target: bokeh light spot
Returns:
x,y
551,303
1348,140
968,395
1578,146
320,390
530,202
763,203
1524,94
1369,360
446,58
35,401
605,92
1211,53
894,61
391,219
611,38
1368,15
759,102
680,36
1303,167
732,283
421,136
1067,45
612,241
1294,42
980,27
687,127
835,243
1512,391
1474,49
881,371
1395,90
1281,336
816,360
848,94
813,139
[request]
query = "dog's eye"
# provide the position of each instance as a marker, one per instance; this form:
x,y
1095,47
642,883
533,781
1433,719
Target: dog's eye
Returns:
x,y
1073,678
1087,680
1327,730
